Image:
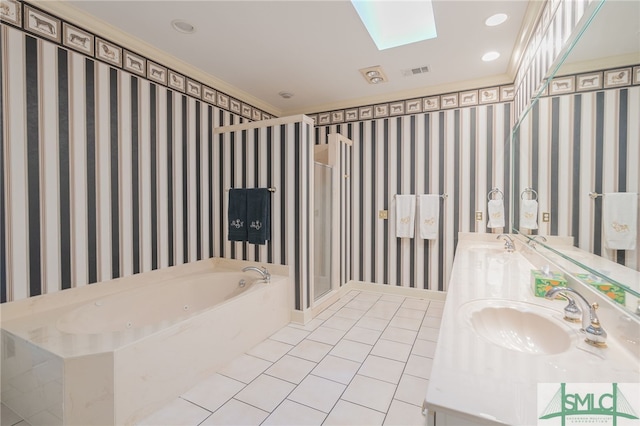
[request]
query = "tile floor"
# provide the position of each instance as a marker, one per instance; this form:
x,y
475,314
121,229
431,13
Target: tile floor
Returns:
x,y
365,360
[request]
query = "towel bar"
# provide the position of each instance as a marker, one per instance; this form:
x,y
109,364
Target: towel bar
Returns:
x,y
495,191
593,195
272,189
529,191
443,196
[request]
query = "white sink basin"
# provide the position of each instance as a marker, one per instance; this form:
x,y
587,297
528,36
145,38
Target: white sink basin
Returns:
x,y
520,327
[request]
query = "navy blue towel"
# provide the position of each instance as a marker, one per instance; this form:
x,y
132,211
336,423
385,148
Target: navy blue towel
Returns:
x,y
238,215
259,215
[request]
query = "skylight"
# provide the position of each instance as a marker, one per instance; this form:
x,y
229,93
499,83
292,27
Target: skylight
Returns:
x,y
396,23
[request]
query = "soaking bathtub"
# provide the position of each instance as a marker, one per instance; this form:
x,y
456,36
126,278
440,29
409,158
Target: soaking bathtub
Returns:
x,y
114,352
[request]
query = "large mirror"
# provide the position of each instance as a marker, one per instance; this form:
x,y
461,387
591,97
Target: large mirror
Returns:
x,y
579,139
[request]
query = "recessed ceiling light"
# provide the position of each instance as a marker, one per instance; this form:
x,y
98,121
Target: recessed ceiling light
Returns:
x,y
376,80
496,19
286,95
373,73
183,26
490,56
396,23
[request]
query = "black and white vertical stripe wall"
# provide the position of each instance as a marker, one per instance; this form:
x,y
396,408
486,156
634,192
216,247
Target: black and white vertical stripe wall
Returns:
x,y
462,153
570,145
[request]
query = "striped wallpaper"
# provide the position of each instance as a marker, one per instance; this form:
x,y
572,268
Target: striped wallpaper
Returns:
x,y
462,152
105,174
279,156
570,145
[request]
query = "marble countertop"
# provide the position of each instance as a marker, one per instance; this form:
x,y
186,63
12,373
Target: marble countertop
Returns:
x,y
476,379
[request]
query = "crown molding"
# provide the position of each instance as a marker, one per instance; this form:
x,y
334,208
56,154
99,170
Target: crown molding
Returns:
x,y
70,13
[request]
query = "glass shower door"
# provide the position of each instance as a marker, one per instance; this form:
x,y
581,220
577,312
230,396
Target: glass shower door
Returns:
x,y
323,226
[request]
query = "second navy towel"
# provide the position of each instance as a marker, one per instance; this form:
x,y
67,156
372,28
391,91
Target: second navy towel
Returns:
x,y
259,215
238,215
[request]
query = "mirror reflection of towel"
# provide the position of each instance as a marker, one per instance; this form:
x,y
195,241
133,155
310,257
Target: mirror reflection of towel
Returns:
x,y
259,215
529,214
495,210
237,215
619,220
405,215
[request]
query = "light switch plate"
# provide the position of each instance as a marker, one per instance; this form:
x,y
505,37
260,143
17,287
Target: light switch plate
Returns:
x,y
546,217
479,216
383,214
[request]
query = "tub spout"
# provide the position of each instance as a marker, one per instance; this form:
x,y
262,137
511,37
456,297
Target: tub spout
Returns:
x,y
262,271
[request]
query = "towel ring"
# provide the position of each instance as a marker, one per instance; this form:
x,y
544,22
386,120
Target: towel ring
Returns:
x,y
495,191
529,191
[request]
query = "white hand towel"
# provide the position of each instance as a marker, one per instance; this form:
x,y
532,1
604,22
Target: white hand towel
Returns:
x,y
529,214
429,216
620,220
405,215
495,209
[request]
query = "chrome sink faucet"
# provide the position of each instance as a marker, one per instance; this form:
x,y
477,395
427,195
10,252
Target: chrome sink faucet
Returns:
x,y
508,243
262,271
596,335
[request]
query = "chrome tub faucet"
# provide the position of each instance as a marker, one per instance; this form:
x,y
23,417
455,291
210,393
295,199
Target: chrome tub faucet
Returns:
x,y
262,271
596,336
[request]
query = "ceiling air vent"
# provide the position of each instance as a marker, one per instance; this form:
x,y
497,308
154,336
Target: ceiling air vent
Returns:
x,y
415,71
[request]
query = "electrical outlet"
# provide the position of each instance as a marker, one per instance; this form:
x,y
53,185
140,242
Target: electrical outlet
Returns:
x,y
479,216
383,214
546,217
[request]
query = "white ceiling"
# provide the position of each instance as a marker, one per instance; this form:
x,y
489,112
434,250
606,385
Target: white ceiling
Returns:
x,y
314,49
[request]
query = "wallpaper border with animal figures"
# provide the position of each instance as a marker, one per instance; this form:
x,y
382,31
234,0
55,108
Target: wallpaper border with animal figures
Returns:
x,y
602,79
42,24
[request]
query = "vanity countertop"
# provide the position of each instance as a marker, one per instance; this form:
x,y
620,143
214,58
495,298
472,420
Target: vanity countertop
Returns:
x,y
484,383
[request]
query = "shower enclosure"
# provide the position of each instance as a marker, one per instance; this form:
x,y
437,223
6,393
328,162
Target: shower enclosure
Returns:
x,y
323,232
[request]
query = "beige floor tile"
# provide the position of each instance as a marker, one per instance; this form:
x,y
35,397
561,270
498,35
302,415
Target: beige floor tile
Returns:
x,y
408,323
9,418
370,393
420,304
337,369
270,350
431,322
291,369
339,323
402,414
363,305
392,350
382,368
178,412
317,392
355,351
265,392
425,348
347,414
401,335
368,297
245,368
311,350
326,314
213,392
327,335
373,323
429,333
419,366
363,335
291,413
410,313
349,313
236,413
392,298
309,326
290,335
412,390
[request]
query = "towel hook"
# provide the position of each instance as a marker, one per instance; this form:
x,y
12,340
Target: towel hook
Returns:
x,y
495,191
529,191
593,195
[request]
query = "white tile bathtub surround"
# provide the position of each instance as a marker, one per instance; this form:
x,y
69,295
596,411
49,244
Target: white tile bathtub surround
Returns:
x,y
496,386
